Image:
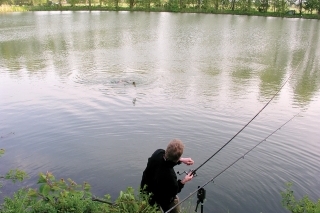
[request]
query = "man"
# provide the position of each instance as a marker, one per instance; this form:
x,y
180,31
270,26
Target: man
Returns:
x,y
160,179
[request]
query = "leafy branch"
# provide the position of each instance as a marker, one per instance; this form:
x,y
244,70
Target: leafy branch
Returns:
x,y
14,174
304,205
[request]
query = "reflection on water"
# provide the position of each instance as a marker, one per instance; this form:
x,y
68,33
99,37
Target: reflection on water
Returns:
x,y
308,81
67,93
96,50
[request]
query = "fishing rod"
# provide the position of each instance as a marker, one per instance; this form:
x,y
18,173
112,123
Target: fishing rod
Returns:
x,y
193,172
94,198
241,157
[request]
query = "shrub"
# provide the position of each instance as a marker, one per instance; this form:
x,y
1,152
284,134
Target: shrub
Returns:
x,y
54,196
305,205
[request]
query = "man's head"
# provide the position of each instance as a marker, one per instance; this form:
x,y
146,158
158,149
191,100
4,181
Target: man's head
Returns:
x,y
174,150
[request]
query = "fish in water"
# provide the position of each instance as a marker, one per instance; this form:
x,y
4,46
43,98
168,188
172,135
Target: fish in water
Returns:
x,y
125,82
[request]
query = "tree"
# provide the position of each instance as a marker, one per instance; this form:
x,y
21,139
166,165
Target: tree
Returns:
x,y
225,4
311,5
283,7
131,3
249,5
265,5
205,4
261,5
242,5
280,6
147,4
233,2
216,4
300,7
73,2
182,4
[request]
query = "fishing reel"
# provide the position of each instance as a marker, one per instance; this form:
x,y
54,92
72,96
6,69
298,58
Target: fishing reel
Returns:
x,y
188,172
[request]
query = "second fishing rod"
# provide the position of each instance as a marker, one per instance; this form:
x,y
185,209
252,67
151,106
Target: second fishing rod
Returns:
x,y
193,172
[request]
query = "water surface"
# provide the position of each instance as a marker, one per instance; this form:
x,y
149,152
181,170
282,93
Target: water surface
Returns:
x,y
68,103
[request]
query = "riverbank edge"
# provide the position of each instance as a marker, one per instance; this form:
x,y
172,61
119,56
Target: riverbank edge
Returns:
x,y
8,9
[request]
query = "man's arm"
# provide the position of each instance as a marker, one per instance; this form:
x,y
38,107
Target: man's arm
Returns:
x,y
187,161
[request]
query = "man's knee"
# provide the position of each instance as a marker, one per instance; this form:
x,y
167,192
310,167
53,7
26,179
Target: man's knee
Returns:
x,y
174,203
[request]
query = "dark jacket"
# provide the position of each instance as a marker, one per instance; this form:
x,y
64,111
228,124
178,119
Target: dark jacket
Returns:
x,y
160,179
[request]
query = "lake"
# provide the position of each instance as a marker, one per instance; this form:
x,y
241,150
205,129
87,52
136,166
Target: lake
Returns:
x,y
91,95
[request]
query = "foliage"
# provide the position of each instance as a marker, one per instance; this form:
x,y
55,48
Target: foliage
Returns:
x,y
261,5
54,196
305,205
280,6
311,5
14,174
6,8
244,5
274,8
67,196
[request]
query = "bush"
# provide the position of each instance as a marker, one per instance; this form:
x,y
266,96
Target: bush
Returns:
x,y
54,196
66,196
305,205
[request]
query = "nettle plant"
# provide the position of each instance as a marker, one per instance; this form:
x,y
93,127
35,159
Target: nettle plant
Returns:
x,y
304,205
61,195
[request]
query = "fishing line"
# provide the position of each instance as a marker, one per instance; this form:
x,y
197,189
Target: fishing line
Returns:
x,y
242,157
195,170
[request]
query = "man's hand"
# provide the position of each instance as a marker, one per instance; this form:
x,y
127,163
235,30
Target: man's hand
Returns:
x,y
187,161
187,178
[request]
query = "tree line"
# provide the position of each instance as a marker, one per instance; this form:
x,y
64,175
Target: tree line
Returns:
x,y
281,7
